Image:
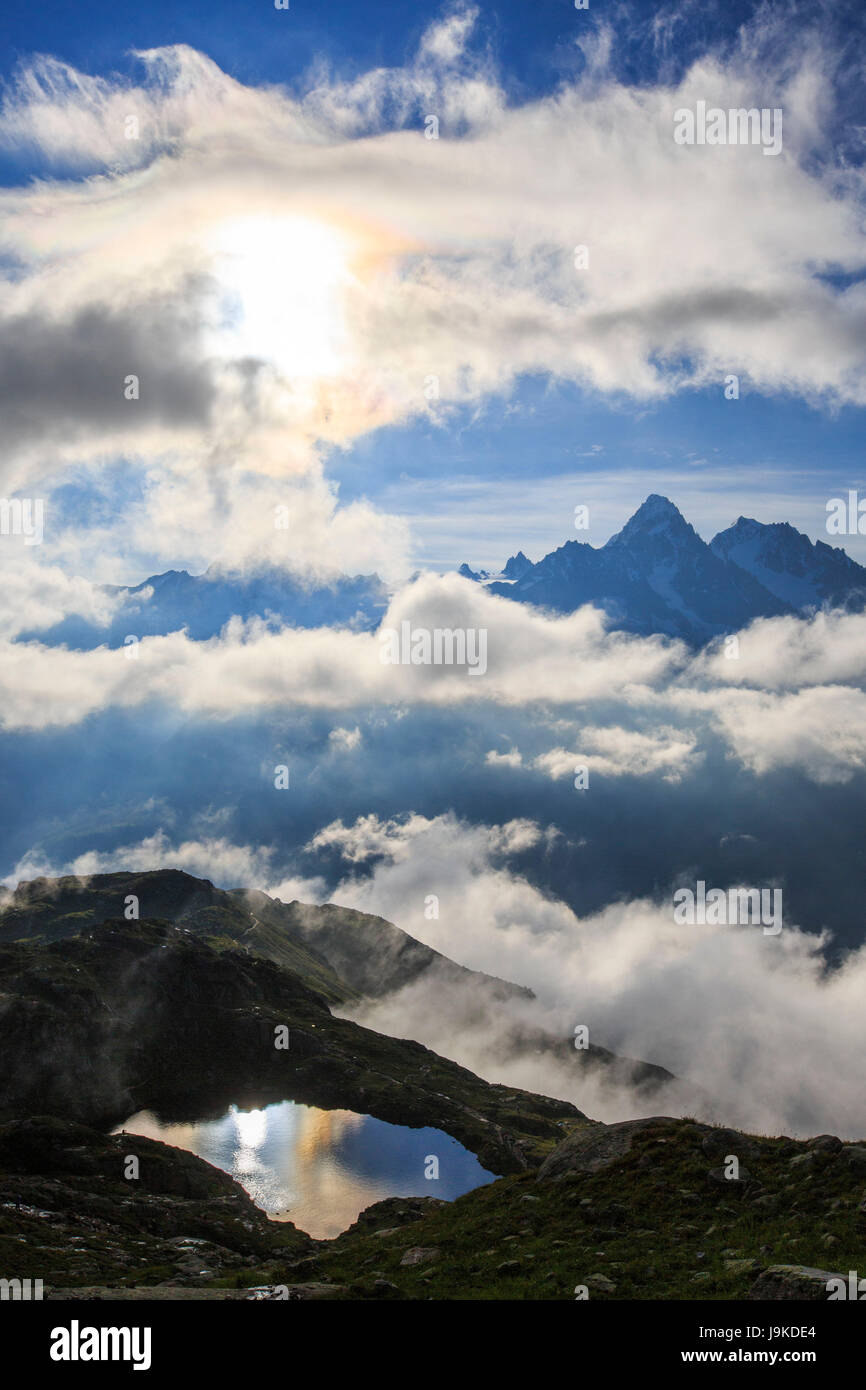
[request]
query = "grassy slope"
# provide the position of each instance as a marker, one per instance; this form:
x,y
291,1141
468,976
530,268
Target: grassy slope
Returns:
x,y
650,1223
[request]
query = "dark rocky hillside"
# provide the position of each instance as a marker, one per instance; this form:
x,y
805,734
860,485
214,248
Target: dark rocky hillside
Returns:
x,y
343,955
181,1020
144,1015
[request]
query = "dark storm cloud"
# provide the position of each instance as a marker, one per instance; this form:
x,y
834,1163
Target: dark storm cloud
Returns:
x,y
63,377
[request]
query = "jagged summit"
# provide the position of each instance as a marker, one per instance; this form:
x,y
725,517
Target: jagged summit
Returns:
x,y
805,574
747,527
468,573
516,566
657,575
656,516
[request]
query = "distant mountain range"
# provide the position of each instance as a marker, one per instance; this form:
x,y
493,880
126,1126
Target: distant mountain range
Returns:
x,y
204,603
656,575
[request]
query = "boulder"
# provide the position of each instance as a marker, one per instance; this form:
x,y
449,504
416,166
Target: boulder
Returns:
x,y
600,1283
792,1282
595,1146
719,1143
393,1212
419,1255
825,1143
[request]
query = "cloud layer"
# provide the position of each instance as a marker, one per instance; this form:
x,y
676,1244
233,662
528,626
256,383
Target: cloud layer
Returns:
x,y
794,698
754,1028
457,271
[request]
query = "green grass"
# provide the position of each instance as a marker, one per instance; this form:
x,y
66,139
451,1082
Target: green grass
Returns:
x,y
649,1223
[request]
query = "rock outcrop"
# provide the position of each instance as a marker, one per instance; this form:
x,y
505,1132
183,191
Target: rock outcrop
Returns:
x,y
143,1015
799,1282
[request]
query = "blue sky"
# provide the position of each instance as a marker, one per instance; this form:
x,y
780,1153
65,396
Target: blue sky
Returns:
x,y
283,262
505,469
535,42
523,464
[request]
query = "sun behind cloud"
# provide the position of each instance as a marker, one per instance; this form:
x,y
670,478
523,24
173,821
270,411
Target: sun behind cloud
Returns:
x,y
285,280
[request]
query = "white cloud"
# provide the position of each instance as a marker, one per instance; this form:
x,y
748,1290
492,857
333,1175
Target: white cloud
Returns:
x,y
346,740
552,665
754,1027
819,730
36,595
789,653
460,251
217,858
456,264
513,758
617,752
248,668
445,40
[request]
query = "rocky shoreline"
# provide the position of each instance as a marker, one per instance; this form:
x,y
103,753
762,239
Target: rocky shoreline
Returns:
x,y
641,1210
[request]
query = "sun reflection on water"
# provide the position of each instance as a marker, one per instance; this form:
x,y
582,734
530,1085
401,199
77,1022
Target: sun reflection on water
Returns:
x,y
318,1168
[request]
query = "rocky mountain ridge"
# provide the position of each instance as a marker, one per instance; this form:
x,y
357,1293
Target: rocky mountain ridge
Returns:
x,y
657,575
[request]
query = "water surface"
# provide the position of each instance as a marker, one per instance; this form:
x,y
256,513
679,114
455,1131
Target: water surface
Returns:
x,y
320,1168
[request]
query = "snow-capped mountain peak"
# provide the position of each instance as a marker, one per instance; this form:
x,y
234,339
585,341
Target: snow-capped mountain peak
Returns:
x,y
801,572
657,575
657,516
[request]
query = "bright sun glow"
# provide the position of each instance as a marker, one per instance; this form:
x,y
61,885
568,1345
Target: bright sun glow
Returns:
x,y
285,280
251,1126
